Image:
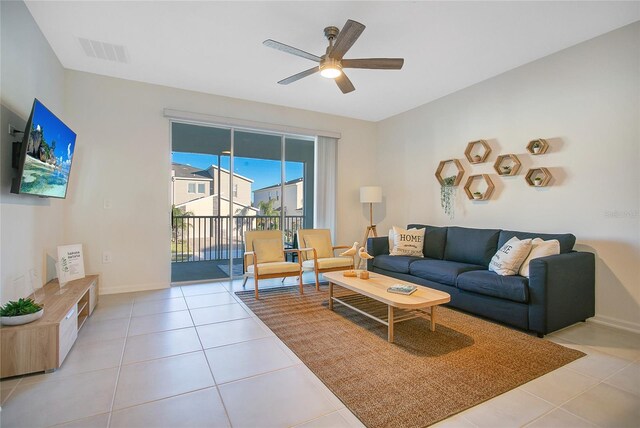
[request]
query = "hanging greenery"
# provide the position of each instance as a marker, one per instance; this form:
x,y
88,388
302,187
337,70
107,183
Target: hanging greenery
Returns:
x,y
448,195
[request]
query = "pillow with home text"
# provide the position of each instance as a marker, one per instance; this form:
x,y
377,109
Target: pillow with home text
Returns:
x,y
407,242
509,258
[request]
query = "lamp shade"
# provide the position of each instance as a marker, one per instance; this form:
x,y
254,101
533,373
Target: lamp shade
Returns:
x,y
370,194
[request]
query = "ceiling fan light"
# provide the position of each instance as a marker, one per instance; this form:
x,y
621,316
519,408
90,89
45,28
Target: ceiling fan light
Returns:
x,y
330,68
330,72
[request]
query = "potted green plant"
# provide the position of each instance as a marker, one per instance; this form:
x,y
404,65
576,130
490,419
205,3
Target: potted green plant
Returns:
x,y
506,169
536,147
447,195
537,181
477,195
477,158
21,312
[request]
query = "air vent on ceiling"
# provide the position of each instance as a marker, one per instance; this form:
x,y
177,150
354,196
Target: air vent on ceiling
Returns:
x,y
103,50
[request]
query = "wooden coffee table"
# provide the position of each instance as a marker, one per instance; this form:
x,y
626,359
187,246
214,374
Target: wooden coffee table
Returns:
x,y
367,292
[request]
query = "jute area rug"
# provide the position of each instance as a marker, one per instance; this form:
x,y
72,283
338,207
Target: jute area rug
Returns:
x,y
420,379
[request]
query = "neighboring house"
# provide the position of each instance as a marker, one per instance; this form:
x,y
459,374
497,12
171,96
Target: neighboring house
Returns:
x,y
195,190
293,197
189,183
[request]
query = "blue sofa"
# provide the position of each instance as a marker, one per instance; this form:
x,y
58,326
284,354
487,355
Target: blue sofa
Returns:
x,y
560,290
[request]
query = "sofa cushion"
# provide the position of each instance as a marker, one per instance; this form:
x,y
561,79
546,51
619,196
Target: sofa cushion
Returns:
x,y
567,240
434,240
442,271
514,288
474,246
398,264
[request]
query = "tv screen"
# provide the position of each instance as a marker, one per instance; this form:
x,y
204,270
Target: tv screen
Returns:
x,y
45,155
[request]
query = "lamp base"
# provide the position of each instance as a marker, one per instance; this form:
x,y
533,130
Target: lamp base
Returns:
x,y
371,230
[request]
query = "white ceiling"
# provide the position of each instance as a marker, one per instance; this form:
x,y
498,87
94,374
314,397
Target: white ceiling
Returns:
x,y
216,47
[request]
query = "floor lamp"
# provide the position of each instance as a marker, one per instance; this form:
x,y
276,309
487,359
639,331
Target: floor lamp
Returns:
x,y
370,195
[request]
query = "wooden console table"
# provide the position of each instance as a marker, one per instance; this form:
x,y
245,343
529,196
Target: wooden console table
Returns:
x,y
43,344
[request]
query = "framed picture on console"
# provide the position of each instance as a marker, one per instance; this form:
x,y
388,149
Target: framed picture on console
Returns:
x,y
70,264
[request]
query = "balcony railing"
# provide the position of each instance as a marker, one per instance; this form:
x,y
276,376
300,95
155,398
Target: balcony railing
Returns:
x,y
203,238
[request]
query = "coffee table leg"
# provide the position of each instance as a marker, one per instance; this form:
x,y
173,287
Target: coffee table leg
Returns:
x,y
331,295
390,330
433,318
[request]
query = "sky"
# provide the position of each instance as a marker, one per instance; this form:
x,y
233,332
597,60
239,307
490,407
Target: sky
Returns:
x,y
55,130
264,173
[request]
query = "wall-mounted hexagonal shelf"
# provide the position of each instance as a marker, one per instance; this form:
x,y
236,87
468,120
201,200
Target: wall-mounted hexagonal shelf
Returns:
x,y
477,151
538,177
474,193
507,164
458,175
538,147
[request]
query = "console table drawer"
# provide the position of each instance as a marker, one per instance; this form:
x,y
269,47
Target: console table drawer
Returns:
x,y
68,332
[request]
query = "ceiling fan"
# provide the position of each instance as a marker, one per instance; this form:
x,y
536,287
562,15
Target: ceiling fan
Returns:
x,y
332,63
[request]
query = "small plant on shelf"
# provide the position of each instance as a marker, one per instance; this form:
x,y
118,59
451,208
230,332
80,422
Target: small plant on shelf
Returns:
x,y
537,181
506,169
21,307
477,195
447,195
536,146
477,158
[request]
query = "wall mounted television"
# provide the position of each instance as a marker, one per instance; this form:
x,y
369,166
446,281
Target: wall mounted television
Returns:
x,y
45,155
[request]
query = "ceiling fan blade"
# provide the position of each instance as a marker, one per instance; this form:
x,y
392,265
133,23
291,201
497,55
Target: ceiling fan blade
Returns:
x,y
344,84
299,76
290,49
346,38
374,63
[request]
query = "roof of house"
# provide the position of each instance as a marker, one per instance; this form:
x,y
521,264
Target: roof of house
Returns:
x,y
294,181
189,172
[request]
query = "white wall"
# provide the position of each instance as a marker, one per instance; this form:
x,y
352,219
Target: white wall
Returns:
x,y
29,226
585,100
123,155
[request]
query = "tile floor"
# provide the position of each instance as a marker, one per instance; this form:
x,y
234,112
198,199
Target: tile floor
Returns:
x,y
196,356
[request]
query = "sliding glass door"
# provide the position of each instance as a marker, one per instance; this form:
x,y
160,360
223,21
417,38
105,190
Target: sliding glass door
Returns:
x,y
227,181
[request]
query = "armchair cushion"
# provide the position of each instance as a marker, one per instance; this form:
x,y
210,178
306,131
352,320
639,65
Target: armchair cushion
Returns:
x,y
328,263
321,243
273,268
268,250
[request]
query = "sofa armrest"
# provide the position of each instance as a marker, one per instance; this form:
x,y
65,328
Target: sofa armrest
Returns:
x,y
561,291
377,247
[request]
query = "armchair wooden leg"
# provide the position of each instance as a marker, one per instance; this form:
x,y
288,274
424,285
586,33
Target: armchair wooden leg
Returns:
x,y
256,286
245,281
317,281
300,283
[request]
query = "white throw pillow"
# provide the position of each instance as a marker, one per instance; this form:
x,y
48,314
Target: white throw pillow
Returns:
x,y
539,248
407,242
268,250
392,240
510,256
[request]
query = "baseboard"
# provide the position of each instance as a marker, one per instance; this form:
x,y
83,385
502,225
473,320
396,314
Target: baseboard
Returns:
x,y
616,323
133,288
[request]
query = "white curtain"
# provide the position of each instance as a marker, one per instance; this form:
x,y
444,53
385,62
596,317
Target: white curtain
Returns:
x,y
325,204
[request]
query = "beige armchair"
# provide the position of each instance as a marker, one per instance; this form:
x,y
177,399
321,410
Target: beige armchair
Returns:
x,y
318,253
264,258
